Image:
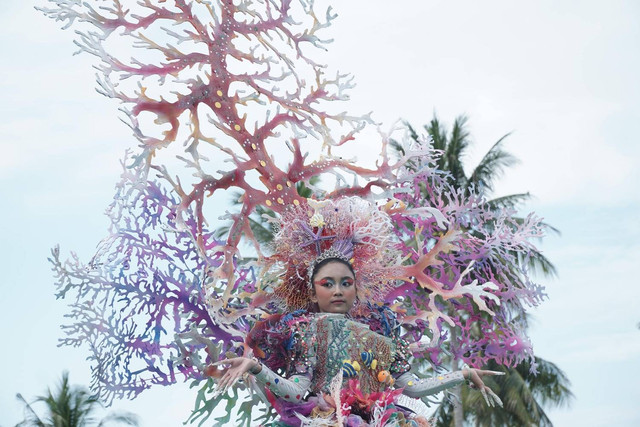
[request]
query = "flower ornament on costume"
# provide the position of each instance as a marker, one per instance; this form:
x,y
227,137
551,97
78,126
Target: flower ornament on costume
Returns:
x,y
349,228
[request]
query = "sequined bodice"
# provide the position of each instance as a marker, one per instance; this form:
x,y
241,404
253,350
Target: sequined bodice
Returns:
x,y
333,340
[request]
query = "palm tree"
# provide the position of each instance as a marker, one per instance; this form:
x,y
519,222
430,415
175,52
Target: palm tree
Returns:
x,y
523,393
69,406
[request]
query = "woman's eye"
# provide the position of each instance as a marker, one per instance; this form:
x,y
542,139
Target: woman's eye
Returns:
x,y
347,283
326,283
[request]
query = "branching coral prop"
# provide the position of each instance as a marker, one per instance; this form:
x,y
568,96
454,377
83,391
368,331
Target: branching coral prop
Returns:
x,y
225,97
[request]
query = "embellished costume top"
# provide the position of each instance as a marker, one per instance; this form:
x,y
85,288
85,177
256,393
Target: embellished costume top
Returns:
x,y
312,353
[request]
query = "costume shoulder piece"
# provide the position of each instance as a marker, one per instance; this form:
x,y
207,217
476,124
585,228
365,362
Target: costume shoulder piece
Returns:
x,y
380,318
276,336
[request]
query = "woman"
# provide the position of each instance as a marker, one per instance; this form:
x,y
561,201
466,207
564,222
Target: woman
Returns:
x,y
333,357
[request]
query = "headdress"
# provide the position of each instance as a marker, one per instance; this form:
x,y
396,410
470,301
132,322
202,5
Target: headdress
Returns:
x,y
351,229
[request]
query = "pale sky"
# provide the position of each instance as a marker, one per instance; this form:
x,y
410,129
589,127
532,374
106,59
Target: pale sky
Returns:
x,y
561,74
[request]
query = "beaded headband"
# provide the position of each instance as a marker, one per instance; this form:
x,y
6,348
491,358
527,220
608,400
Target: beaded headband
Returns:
x,y
331,253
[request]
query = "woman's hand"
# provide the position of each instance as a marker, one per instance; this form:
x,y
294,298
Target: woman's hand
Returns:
x,y
238,367
475,376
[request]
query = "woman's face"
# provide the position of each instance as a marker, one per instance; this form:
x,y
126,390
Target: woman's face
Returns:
x,y
334,288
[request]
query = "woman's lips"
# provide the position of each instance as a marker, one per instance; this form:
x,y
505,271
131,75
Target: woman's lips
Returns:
x,y
338,301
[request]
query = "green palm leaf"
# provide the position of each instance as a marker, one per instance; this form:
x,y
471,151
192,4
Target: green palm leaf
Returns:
x,y
491,167
509,201
69,406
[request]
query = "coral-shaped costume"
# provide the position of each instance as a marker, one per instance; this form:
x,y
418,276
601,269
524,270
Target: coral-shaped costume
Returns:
x,y
236,84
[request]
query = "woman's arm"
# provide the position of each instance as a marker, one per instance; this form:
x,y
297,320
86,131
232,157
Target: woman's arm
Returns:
x,y
414,387
291,389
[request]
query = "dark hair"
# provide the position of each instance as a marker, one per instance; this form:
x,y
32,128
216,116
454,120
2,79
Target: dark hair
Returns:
x,y
327,261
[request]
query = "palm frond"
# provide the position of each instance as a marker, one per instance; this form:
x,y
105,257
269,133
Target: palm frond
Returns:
x,y
540,264
412,132
438,134
550,385
522,393
123,418
509,201
535,261
305,191
549,227
262,230
492,166
397,147
31,417
456,148
69,406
